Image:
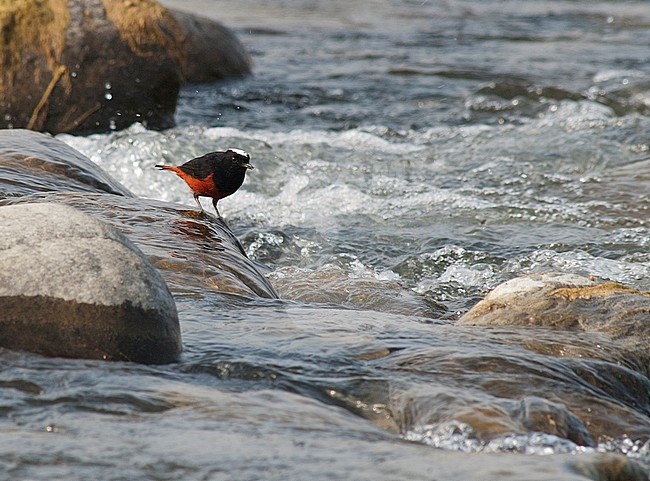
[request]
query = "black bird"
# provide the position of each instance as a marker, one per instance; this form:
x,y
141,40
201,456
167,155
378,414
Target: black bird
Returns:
x,y
216,175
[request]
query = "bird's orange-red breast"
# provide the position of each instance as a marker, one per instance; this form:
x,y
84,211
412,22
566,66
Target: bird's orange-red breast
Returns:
x,y
216,174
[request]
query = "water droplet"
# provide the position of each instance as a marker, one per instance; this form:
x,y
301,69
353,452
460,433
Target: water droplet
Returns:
x,y
107,86
108,96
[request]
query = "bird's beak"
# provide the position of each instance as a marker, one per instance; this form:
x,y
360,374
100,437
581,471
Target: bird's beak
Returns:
x,y
248,166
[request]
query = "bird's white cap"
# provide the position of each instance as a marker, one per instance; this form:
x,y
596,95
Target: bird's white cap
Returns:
x,y
243,153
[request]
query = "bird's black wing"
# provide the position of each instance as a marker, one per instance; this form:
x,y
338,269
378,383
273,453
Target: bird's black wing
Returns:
x,y
203,166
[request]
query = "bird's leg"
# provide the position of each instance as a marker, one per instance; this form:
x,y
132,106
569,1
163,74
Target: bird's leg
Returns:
x,y
196,199
214,203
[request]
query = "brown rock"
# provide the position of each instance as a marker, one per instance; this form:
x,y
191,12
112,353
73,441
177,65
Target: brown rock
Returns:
x,y
211,52
571,302
83,66
610,467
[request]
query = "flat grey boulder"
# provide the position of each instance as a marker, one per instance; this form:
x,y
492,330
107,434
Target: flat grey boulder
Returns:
x,y
71,286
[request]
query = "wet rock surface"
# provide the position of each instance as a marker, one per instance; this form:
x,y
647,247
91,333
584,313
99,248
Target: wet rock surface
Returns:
x,y
97,65
574,303
33,162
187,247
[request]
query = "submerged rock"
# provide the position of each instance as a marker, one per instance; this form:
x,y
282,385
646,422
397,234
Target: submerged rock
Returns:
x,y
542,415
83,66
571,302
71,286
609,467
332,285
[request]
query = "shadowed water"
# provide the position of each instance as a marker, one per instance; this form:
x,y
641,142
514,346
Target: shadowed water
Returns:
x,y
410,156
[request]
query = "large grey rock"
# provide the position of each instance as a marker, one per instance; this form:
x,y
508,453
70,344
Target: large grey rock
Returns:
x,y
571,302
71,286
83,66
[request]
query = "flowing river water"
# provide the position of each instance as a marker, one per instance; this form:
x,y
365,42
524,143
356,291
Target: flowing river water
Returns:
x,y
409,157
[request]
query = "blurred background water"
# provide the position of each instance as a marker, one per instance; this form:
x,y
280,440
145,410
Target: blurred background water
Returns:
x,y
410,156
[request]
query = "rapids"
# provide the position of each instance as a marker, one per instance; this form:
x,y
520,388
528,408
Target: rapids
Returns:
x,y
409,157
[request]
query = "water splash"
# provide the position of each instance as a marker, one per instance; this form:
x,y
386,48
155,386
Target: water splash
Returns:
x,y
459,436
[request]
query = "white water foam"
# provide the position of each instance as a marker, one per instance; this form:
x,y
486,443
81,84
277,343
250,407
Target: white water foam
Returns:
x,y
583,263
459,436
